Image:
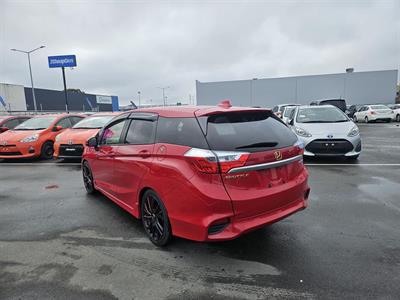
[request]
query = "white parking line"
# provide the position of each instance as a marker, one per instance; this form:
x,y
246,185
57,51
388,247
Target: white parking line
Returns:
x,y
355,165
307,164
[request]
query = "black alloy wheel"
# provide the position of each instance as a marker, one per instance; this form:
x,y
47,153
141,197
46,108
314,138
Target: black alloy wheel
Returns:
x,y
88,178
155,219
47,150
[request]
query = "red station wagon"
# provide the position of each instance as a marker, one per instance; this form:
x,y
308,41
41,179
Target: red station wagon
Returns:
x,y
201,173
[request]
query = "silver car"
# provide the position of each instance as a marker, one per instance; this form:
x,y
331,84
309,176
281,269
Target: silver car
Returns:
x,y
325,131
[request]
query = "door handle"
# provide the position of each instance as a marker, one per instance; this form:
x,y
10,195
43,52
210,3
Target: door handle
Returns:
x,y
144,153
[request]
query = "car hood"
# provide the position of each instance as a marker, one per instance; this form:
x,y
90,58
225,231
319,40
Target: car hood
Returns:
x,y
341,128
17,135
76,136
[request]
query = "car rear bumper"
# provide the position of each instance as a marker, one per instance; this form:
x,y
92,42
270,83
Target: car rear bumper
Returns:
x,y
238,227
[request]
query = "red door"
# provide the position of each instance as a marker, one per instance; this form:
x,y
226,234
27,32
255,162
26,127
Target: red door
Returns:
x,y
133,160
103,163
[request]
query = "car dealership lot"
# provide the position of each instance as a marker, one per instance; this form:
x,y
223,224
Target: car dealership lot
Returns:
x,y
56,241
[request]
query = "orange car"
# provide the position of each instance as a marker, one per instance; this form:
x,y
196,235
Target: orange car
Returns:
x,y
71,143
35,137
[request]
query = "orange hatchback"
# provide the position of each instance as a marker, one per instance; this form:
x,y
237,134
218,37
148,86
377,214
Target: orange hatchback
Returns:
x,y
71,143
35,137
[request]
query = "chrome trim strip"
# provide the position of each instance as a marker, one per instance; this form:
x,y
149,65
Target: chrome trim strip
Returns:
x,y
269,165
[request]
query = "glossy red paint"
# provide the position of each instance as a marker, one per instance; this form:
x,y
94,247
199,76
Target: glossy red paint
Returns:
x,y
195,200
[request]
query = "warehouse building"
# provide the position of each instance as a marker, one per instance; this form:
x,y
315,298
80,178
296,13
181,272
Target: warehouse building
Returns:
x,y
19,98
355,87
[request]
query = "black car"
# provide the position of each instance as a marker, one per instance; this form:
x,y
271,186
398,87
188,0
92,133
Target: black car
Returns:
x,y
353,109
339,103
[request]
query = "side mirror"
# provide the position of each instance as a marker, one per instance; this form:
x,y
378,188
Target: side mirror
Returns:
x,y
92,142
3,129
291,122
57,128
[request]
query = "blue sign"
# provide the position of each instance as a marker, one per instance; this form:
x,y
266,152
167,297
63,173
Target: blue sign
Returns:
x,y
62,61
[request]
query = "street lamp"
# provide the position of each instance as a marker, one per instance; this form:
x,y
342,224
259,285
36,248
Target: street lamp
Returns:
x,y
30,70
139,97
163,93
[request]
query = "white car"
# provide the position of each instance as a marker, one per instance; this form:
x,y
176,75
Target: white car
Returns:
x,y
278,109
396,110
286,113
368,113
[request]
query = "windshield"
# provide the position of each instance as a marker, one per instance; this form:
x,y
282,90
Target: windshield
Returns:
x,y
288,111
248,131
36,123
93,122
321,114
379,107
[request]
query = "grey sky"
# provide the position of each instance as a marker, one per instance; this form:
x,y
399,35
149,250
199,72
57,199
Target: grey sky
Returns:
x,y
126,46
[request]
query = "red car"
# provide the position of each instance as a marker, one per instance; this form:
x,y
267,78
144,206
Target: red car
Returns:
x,y
201,173
10,122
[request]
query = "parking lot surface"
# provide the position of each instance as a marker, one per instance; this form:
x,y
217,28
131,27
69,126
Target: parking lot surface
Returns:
x,y
58,242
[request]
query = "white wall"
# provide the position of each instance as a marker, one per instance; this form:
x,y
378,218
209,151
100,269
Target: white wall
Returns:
x,y
356,88
13,95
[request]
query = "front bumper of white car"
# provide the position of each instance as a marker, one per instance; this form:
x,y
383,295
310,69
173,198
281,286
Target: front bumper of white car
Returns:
x,y
321,145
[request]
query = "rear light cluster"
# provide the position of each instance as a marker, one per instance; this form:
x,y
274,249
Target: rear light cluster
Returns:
x,y
208,161
372,112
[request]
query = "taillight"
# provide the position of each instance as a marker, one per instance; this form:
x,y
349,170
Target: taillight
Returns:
x,y
208,161
372,112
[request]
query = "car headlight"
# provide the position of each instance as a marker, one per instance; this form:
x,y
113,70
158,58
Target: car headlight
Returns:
x,y
302,132
354,131
32,138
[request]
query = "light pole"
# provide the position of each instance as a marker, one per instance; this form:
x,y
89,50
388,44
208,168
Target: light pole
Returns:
x,y
30,71
163,92
139,97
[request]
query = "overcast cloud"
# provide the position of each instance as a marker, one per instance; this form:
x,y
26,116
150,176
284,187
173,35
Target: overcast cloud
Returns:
x,y
126,46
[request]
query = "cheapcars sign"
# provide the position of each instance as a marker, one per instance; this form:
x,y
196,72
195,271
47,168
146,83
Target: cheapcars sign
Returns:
x,y
61,61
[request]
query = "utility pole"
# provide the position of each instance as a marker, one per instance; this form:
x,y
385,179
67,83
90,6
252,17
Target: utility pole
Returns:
x,y
30,71
139,97
163,93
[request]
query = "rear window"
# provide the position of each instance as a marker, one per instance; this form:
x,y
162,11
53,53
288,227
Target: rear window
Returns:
x,y
248,131
379,107
180,131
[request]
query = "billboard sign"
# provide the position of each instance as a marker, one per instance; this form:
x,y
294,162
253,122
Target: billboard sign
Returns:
x,y
62,61
103,99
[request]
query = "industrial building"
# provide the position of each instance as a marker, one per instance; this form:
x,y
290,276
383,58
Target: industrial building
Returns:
x,y
19,98
355,87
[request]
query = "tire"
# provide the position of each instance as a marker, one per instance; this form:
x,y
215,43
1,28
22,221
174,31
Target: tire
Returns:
x,y
366,120
355,157
389,121
155,219
355,119
88,178
398,118
47,150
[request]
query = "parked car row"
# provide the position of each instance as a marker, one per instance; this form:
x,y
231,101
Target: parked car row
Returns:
x,y
41,135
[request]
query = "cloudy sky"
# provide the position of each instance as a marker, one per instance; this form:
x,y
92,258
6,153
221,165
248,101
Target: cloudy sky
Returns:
x,y
123,47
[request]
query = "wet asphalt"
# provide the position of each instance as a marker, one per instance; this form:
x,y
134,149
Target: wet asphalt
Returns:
x,y
57,242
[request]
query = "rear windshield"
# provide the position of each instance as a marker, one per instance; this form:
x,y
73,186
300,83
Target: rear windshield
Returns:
x,y
248,131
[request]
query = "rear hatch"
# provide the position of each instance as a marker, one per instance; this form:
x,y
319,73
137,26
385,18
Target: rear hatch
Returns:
x,y
259,157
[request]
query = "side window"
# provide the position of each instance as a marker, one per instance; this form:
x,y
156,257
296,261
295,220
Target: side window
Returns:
x,y
75,120
291,117
11,124
140,132
181,131
112,134
64,123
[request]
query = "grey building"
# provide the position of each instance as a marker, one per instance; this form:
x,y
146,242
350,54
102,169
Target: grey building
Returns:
x,y
356,87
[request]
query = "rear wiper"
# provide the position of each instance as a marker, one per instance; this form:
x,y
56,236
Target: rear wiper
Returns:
x,y
259,145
